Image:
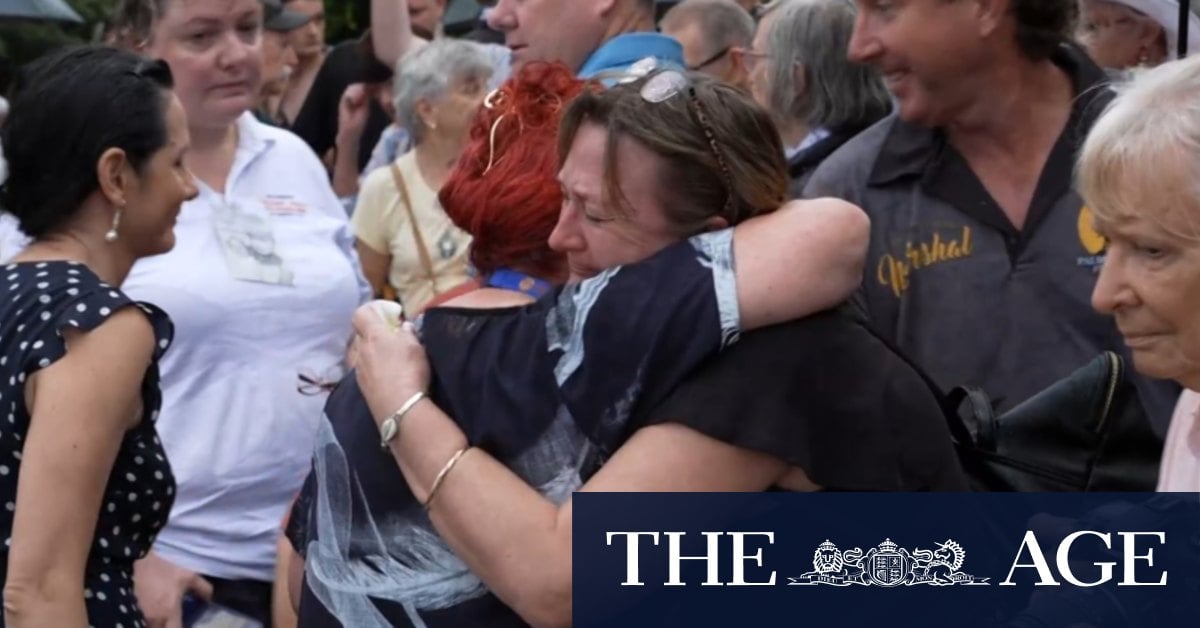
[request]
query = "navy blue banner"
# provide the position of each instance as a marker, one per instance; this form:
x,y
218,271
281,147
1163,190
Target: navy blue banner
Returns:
x,y
873,559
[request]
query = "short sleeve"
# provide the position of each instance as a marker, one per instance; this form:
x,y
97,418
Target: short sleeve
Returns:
x,y
825,395
81,302
370,212
631,334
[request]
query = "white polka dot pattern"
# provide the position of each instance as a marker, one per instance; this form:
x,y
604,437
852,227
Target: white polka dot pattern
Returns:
x,y
45,298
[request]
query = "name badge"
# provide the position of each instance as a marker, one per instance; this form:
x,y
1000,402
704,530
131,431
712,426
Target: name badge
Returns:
x,y
282,205
248,242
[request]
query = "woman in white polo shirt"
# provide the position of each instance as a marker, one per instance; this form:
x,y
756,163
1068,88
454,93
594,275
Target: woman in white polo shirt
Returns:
x,y
261,285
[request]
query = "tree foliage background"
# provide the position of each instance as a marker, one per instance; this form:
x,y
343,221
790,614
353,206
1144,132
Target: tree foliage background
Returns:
x,y
21,42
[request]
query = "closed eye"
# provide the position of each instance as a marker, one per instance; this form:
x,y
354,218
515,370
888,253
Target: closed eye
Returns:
x,y
597,219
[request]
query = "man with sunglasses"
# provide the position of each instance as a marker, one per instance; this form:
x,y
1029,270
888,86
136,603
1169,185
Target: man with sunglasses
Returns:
x,y
714,34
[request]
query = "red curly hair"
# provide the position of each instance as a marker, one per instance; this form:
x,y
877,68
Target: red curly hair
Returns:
x,y
503,191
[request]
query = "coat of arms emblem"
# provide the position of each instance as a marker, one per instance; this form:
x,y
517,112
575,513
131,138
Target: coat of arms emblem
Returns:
x,y
888,565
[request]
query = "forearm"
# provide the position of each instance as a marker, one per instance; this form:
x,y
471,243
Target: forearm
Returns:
x,y
345,166
391,30
49,599
295,578
511,537
283,609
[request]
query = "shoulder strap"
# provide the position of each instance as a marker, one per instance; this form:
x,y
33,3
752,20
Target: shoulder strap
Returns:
x,y
422,251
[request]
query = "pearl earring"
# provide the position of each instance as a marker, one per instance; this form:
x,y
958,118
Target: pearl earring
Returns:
x,y
111,234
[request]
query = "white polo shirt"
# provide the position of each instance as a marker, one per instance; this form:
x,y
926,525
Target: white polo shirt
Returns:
x,y
237,427
12,240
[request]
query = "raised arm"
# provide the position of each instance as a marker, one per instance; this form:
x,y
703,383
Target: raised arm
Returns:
x,y
391,30
81,407
511,537
804,258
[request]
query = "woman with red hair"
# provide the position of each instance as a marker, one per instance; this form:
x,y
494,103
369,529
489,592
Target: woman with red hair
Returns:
x,y
510,205
543,389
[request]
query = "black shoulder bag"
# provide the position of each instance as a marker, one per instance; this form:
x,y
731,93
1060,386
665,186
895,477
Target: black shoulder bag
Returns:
x,y
1086,432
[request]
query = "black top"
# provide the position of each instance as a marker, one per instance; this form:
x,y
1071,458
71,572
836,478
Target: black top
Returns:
x,y
803,164
38,300
827,395
550,389
317,122
912,151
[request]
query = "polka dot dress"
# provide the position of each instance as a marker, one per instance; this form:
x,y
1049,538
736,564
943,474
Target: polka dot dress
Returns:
x,y
37,301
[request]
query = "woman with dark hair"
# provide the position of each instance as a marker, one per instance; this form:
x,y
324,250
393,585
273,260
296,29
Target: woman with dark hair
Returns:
x,y
543,391
97,138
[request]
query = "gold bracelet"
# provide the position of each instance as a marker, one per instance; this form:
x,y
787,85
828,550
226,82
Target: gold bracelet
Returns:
x,y
441,476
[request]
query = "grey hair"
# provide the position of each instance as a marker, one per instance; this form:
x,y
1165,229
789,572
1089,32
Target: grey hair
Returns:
x,y
723,23
132,22
835,93
426,74
1154,119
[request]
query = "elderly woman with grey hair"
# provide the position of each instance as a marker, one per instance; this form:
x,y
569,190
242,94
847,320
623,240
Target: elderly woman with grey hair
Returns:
x,y
799,72
1124,34
406,242
1137,173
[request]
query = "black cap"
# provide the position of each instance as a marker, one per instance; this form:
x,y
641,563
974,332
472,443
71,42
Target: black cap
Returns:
x,y
280,20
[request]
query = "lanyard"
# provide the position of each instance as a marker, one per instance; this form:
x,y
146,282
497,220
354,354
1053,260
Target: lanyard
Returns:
x,y
509,279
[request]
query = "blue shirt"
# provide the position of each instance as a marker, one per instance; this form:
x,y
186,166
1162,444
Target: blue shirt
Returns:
x,y
622,51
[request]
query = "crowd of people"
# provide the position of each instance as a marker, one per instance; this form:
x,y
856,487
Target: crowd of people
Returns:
x,y
706,246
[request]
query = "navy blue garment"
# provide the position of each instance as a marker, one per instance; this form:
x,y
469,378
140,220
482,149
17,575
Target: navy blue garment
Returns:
x,y
38,301
550,389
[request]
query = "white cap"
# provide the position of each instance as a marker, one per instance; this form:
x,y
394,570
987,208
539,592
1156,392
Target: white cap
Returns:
x,y
1166,13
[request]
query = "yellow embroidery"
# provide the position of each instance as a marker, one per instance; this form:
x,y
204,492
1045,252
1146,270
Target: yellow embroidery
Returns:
x,y
894,272
1092,241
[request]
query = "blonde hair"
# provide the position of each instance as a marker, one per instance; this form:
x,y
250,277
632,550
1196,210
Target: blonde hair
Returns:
x,y
1154,119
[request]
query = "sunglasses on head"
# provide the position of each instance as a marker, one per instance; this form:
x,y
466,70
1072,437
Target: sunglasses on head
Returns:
x,y
670,83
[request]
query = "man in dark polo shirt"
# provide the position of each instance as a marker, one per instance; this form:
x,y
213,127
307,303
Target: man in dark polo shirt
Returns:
x,y
982,257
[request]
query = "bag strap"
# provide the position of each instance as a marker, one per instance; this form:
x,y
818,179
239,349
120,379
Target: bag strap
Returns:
x,y
422,251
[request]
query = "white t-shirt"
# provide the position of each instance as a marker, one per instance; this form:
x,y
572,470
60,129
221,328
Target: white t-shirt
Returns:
x,y
237,428
12,240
